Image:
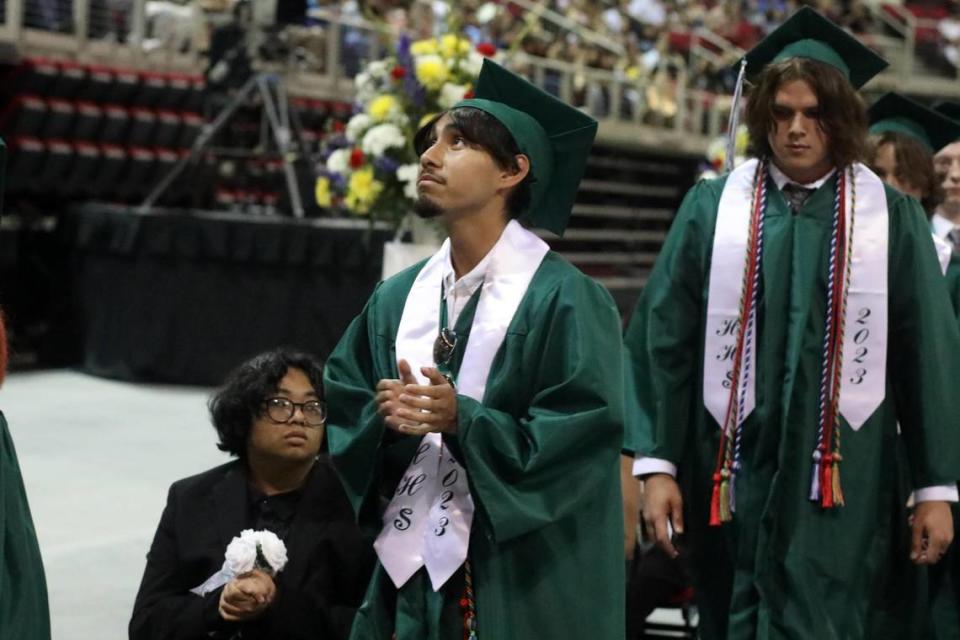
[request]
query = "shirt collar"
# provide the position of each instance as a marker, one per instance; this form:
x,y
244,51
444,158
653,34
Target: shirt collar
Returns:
x,y
469,282
781,179
941,226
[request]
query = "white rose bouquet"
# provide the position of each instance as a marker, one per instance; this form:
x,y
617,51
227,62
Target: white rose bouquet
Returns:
x,y
251,550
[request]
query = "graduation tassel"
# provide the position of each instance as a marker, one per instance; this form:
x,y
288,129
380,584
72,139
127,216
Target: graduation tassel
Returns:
x,y
733,487
715,502
734,120
725,515
836,489
815,477
826,483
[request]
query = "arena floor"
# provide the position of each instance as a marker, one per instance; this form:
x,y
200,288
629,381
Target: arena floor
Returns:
x,y
97,458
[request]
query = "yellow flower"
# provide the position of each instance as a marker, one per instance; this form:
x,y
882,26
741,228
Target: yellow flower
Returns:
x,y
742,141
451,45
381,107
362,191
432,72
632,72
426,47
323,192
425,119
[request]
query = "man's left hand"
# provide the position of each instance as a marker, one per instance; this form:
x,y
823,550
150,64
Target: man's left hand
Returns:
x,y
433,407
932,531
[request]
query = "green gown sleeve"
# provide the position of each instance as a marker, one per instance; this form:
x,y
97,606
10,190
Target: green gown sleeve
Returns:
x,y
532,470
953,282
663,338
923,349
24,612
354,429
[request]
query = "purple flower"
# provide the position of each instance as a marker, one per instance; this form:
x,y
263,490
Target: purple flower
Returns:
x,y
386,164
336,141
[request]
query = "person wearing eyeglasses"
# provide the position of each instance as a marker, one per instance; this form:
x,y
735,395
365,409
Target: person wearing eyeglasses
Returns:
x,y
476,404
271,416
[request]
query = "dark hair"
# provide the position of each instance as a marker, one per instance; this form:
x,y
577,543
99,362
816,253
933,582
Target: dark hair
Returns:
x,y
481,129
842,115
234,407
914,166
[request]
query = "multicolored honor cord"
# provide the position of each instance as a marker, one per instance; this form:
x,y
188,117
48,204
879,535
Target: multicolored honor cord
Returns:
x,y
825,476
825,486
723,499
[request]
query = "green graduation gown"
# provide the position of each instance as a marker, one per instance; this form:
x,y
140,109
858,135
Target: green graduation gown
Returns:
x,y
785,568
541,453
944,580
24,613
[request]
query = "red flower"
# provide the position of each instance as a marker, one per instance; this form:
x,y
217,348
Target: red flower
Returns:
x,y
469,94
398,72
338,127
356,159
487,49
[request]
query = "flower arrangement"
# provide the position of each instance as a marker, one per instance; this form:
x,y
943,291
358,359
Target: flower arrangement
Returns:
x,y
371,168
250,550
717,153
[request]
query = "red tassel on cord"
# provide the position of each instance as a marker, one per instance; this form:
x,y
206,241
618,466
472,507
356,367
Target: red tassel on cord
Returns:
x,y
715,502
826,482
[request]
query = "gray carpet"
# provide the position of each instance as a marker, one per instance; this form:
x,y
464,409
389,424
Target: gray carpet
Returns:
x,y
97,458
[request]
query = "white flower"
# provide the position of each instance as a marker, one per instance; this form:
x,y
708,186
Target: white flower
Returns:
x,y
486,13
339,161
471,64
382,137
407,174
241,555
379,68
273,550
451,94
357,125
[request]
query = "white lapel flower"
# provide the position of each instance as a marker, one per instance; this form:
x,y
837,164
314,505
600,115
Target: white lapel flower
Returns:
x,y
273,550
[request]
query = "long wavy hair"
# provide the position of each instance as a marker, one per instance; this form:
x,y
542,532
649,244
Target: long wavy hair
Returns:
x,y
843,117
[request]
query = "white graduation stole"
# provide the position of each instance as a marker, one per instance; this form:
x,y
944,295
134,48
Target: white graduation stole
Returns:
x,y
427,523
865,336
944,252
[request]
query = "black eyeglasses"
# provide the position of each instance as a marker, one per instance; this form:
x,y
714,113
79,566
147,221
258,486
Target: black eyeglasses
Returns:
x,y
281,410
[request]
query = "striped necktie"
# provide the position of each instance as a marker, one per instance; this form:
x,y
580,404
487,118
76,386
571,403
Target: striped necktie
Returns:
x,y
796,195
954,238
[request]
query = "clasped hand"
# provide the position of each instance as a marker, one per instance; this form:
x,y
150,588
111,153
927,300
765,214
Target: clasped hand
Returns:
x,y
247,596
414,409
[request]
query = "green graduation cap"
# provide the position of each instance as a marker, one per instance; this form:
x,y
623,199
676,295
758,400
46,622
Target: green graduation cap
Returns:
x,y
555,136
808,34
899,114
949,109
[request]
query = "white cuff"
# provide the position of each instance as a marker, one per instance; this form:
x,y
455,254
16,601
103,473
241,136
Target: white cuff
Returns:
x,y
942,493
644,465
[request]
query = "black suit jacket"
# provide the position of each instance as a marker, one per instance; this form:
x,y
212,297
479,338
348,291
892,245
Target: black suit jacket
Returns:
x,y
317,592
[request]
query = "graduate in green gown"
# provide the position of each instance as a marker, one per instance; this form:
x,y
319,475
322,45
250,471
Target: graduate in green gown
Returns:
x,y
24,613
796,314
914,600
476,404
